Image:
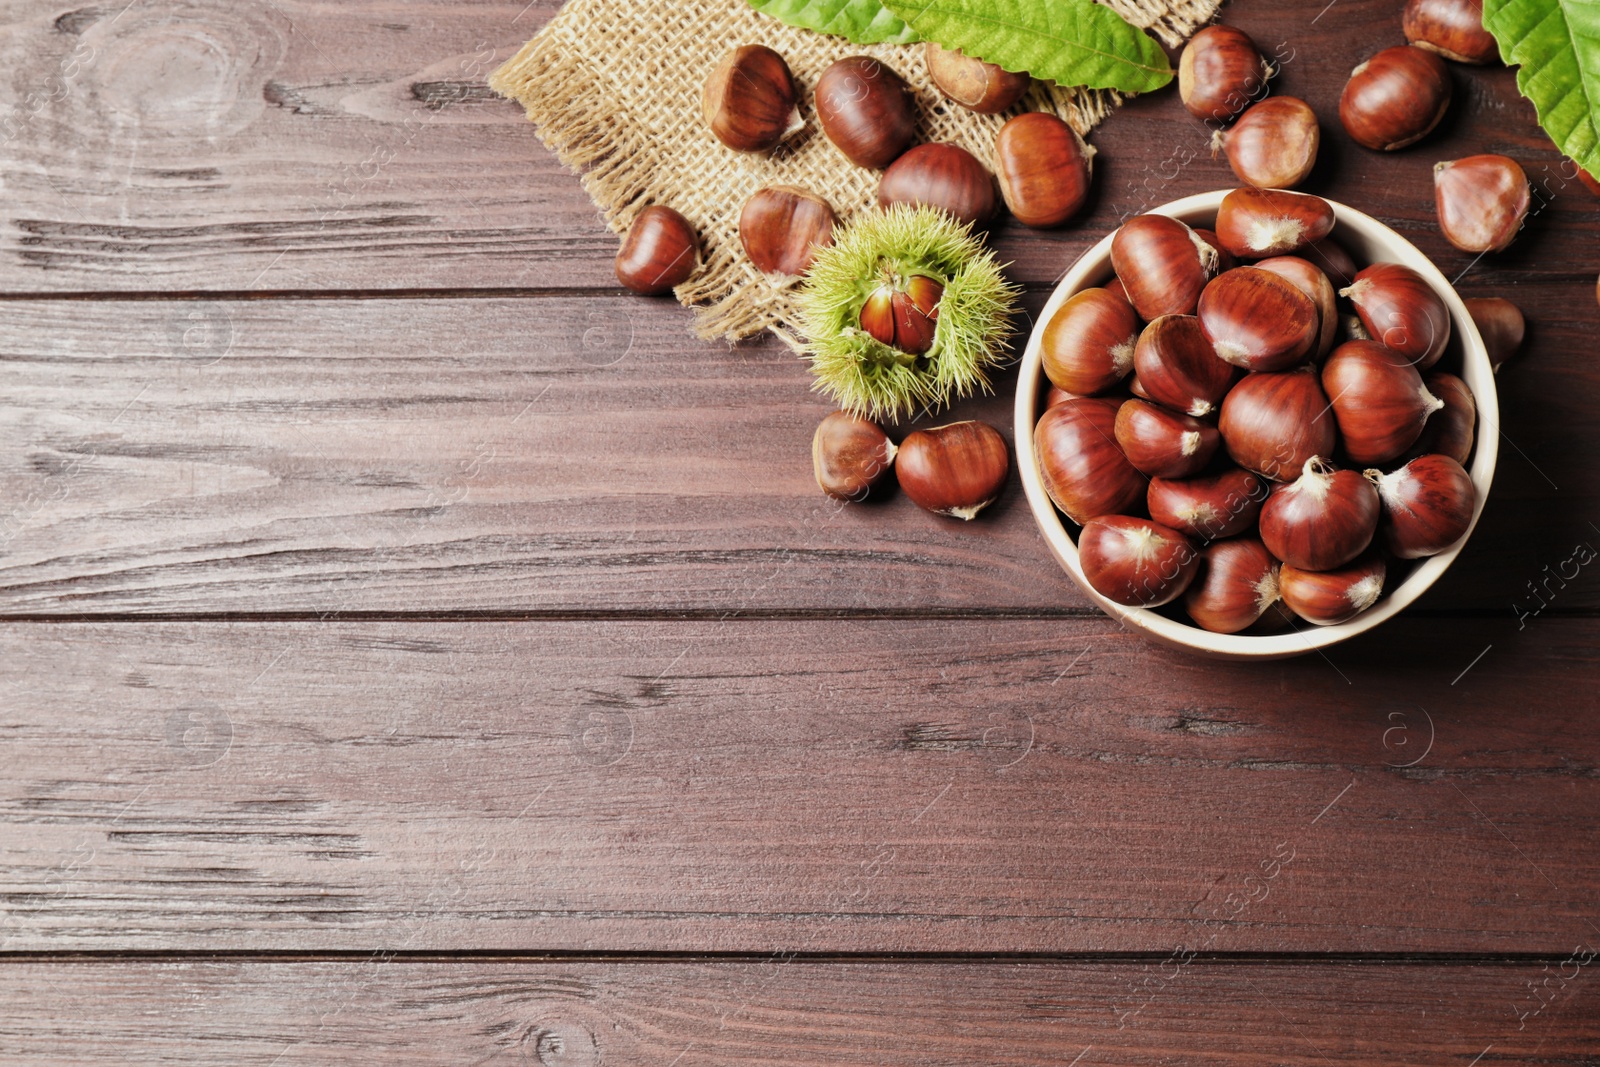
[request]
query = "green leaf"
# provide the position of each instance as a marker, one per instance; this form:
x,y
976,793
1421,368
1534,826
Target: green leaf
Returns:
x,y
1557,44
862,21
1070,42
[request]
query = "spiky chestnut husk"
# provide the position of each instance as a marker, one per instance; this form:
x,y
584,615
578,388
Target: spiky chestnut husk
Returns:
x,y
872,379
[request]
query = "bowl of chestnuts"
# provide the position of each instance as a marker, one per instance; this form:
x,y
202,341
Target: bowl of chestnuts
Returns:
x,y
1246,423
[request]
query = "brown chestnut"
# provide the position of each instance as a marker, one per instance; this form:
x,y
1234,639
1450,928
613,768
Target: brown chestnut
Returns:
x,y
1400,308
1044,169
1177,366
1395,98
1220,72
1328,598
1448,431
1136,562
1256,223
850,455
782,227
1225,260
866,110
1257,319
1081,466
1238,582
1453,28
1501,325
1305,276
1274,144
1482,201
1163,265
1087,346
1378,400
1274,421
659,252
1323,519
749,99
944,176
1331,257
904,313
1164,443
1427,505
1209,507
955,470
975,85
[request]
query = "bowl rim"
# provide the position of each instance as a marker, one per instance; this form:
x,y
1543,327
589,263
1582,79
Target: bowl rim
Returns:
x,y
1092,268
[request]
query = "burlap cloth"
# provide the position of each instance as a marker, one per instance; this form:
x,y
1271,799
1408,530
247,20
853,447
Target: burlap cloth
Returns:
x,y
614,88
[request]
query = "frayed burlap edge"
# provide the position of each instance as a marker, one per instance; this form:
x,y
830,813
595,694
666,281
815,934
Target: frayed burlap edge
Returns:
x,y
614,90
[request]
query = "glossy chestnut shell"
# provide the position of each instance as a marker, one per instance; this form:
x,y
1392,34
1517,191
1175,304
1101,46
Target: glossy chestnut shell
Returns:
x,y
945,176
1395,98
659,252
1083,470
977,86
866,110
1044,169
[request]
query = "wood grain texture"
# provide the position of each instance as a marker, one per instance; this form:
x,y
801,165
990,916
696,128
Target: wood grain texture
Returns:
x,y
794,1012
203,146
551,455
973,786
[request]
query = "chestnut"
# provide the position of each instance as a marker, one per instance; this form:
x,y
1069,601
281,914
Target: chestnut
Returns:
x,y
1378,400
904,313
1238,582
1135,562
1482,201
1323,519
659,252
1081,466
782,227
749,99
1257,319
1501,325
1087,346
1328,598
1057,395
1209,507
1331,256
1256,223
1453,28
1589,181
1225,261
1220,72
1177,366
1274,144
1448,431
850,455
866,110
975,85
1305,276
955,470
1164,443
1044,169
1162,264
1400,308
1395,98
1273,421
945,176
1427,505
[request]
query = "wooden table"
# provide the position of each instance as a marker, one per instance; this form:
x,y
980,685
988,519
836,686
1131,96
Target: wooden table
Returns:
x,y
418,650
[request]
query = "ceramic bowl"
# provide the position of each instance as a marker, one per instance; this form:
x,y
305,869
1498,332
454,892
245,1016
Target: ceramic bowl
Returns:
x,y
1369,241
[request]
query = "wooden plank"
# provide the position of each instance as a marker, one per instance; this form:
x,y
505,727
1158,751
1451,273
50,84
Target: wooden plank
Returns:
x,y
556,455
781,1010
354,146
899,785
